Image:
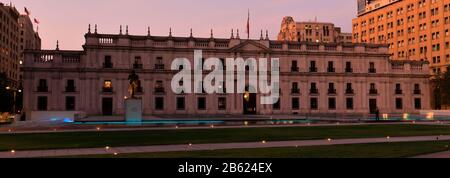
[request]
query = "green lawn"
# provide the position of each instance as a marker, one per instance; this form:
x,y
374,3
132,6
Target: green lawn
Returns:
x,y
376,150
163,137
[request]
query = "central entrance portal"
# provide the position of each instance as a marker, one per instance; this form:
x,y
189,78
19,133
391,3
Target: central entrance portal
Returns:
x,y
249,102
107,106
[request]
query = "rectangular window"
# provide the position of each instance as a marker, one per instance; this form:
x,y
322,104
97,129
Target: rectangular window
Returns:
x,y
70,103
373,90
372,68
107,59
398,103
295,89
181,103
70,87
312,66
42,87
159,87
418,103
348,67
222,104
314,104
294,67
417,90
108,62
330,66
137,62
331,89
201,103
159,64
313,89
332,103
349,103
42,103
159,103
277,105
398,89
349,89
295,103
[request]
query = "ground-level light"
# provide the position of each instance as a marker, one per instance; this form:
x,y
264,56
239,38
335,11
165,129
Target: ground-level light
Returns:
x,y
430,115
405,116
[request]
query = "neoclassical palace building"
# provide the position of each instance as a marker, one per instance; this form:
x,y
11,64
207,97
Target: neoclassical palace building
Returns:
x,y
315,78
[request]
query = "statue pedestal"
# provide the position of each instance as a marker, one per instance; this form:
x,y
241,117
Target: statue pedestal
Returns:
x,y
133,110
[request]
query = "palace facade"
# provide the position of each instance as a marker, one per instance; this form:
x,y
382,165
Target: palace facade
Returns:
x,y
315,78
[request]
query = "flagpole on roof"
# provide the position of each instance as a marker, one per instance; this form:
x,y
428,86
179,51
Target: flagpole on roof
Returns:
x,y
37,24
27,11
248,24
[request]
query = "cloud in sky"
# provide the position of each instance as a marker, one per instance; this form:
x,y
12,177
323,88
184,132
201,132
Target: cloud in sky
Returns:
x,y
67,20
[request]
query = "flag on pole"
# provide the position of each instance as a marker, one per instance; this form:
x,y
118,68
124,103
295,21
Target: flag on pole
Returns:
x,y
248,25
36,21
27,11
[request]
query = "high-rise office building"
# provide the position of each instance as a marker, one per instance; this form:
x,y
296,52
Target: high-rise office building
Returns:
x,y
9,44
414,29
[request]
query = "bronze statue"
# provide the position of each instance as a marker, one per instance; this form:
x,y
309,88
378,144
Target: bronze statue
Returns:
x,y
133,78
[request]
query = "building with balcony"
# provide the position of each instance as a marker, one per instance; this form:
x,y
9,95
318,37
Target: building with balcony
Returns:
x,y
312,31
315,78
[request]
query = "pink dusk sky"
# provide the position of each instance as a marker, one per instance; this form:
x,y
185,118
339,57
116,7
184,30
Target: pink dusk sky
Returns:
x,y
67,20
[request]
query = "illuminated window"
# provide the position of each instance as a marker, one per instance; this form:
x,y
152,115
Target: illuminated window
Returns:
x,y
107,86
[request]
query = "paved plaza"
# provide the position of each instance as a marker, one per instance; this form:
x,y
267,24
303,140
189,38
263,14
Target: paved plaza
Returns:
x,y
204,147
